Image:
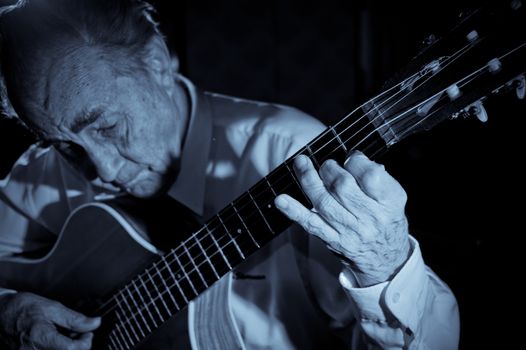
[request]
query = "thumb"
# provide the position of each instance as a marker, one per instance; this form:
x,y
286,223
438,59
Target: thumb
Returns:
x,y
75,321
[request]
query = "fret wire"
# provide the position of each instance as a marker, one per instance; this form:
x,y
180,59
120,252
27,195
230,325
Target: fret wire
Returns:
x,y
260,212
184,272
296,180
152,302
218,247
216,243
167,289
337,136
123,324
140,312
244,225
112,342
122,335
312,157
195,266
120,318
159,293
144,302
131,313
152,299
270,186
118,333
220,250
383,102
231,238
174,278
207,258
258,207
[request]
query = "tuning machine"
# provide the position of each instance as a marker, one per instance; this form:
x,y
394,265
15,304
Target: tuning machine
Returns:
x,y
475,109
517,84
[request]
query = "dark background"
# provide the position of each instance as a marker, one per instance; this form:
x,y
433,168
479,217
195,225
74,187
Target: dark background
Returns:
x,y
463,178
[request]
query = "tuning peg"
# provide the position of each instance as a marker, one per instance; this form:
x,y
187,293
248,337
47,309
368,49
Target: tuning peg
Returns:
x,y
516,4
494,65
477,109
472,36
520,86
429,40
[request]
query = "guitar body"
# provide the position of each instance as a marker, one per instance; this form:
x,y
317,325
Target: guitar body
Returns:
x,y
97,251
101,247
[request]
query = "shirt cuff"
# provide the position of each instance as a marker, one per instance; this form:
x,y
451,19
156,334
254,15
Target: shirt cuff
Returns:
x,y
402,298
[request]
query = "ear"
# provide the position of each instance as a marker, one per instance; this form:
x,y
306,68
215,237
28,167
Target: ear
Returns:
x,y
161,65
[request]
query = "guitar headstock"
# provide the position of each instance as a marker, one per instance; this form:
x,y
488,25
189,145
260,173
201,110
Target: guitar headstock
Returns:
x,y
484,55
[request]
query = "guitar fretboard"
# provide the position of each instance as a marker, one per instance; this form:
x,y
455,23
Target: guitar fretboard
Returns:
x,y
227,239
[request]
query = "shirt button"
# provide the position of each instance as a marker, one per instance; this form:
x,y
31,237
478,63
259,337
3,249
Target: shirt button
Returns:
x,y
396,297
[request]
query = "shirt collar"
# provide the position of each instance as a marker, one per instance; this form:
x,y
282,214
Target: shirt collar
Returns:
x,y
189,188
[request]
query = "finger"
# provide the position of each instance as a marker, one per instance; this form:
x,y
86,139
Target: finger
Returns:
x,y
47,337
309,179
343,186
85,340
328,207
308,220
73,320
374,180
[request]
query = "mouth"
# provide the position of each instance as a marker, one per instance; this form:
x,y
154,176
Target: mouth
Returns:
x,y
127,184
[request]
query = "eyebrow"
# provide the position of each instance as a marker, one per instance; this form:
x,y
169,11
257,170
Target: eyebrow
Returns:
x,y
82,120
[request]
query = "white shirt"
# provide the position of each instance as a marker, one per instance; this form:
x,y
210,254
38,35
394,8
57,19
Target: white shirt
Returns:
x,y
293,293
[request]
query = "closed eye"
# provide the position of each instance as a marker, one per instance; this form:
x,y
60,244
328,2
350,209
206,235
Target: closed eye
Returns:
x,y
108,130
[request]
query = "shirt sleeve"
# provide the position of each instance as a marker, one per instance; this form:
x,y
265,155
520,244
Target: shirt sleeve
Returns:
x,y
414,310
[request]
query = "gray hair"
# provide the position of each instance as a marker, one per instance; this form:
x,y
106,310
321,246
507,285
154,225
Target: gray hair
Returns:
x,y
35,32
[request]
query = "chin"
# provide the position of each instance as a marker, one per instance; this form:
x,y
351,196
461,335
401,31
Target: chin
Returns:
x,y
148,188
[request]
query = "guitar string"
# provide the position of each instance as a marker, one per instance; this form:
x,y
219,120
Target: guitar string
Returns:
x,y
458,53
200,264
136,318
160,294
135,314
372,133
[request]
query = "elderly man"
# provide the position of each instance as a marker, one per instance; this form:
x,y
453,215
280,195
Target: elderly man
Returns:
x,y
96,75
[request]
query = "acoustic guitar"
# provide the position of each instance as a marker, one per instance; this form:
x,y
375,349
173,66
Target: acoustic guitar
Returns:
x,y
103,265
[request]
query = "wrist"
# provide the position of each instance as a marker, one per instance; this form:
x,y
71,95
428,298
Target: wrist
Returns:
x,y
368,278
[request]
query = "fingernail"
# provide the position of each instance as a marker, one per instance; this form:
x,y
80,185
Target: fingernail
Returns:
x,y
281,202
358,153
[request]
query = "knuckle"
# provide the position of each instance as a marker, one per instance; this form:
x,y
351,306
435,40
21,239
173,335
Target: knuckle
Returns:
x,y
402,197
343,182
373,178
311,224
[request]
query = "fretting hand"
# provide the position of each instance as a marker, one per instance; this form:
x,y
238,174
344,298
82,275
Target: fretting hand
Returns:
x,y
358,211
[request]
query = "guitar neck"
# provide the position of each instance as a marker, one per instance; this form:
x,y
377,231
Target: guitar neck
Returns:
x,y
446,85
227,239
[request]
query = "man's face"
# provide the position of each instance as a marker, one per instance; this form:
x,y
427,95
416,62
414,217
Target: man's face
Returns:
x,y
129,125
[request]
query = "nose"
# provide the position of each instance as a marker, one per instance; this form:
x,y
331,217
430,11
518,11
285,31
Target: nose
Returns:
x,y
106,161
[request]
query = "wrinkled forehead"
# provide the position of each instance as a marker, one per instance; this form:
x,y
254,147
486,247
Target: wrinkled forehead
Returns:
x,y
76,82
81,73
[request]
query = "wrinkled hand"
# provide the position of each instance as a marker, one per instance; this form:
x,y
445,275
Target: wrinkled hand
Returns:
x,y
28,321
358,211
